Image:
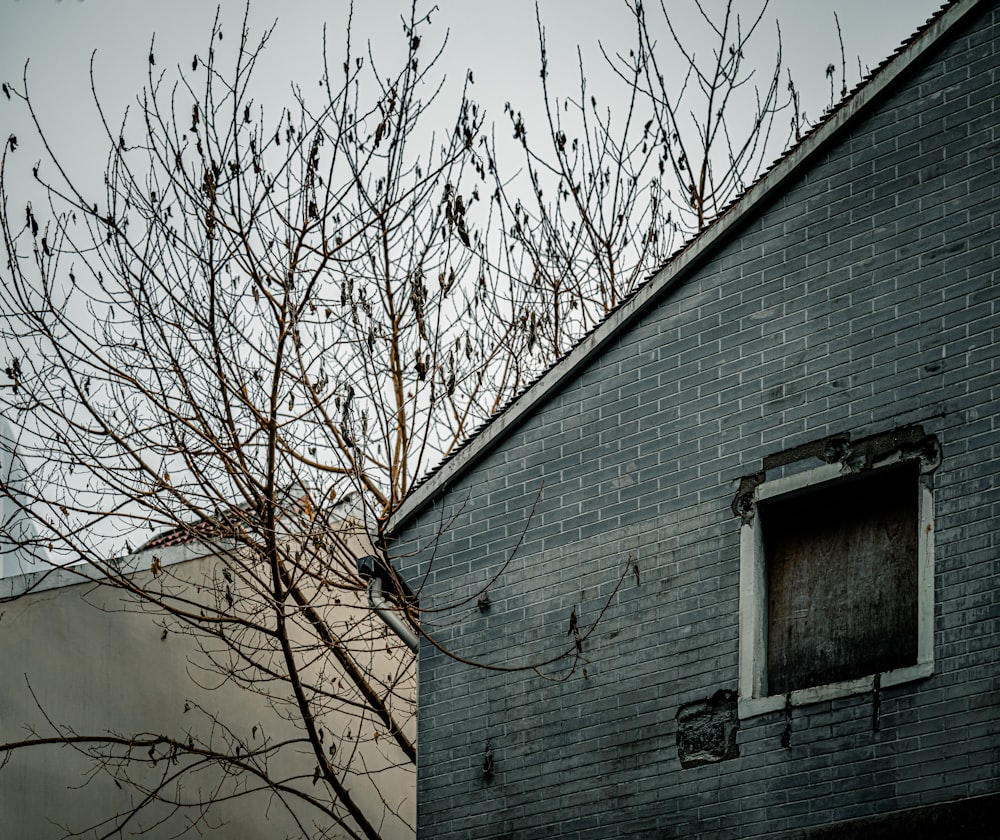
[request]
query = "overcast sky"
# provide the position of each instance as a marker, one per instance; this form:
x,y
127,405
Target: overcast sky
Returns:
x,y
495,39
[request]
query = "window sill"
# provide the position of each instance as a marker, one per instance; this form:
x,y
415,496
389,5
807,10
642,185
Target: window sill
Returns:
x,y
753,706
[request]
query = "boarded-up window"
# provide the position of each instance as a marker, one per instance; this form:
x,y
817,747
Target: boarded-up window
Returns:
x,y
841,566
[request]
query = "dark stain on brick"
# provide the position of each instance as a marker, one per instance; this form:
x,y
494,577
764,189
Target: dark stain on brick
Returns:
x,y
876,703
488,763
786,734
706,730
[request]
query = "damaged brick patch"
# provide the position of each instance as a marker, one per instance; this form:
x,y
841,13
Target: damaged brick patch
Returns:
x,y
706,730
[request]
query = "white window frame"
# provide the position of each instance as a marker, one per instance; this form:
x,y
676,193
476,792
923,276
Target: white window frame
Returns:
x,y
753,602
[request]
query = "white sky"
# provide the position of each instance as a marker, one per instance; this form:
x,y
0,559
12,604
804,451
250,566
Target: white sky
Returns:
x,y
497,40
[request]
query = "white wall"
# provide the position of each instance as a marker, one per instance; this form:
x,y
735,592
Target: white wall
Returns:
x,y
91,658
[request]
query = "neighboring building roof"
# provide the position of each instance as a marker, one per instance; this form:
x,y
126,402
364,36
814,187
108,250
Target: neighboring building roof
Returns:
x,y
188,534
202,531
692,254
188,541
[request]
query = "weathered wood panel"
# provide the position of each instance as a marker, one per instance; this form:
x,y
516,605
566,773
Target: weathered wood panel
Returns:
x,y
842,579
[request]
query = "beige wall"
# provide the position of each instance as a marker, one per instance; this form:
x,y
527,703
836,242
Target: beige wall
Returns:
x,y
97,661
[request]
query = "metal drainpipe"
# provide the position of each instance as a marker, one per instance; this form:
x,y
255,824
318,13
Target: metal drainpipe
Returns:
x,y
393,621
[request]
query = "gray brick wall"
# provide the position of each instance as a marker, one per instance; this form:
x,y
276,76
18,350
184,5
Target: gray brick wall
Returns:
x,y
862,300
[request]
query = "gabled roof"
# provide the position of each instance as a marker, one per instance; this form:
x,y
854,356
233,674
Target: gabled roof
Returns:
x,y
851,109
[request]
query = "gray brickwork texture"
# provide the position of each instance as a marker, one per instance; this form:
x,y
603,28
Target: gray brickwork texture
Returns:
x,y
862,299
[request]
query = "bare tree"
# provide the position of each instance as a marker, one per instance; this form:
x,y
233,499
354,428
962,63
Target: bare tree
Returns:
x,y
269,326
712,161
258,337
613,190
254,335
591,219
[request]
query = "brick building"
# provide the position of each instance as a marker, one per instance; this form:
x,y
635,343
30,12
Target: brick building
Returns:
x,y
770,479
